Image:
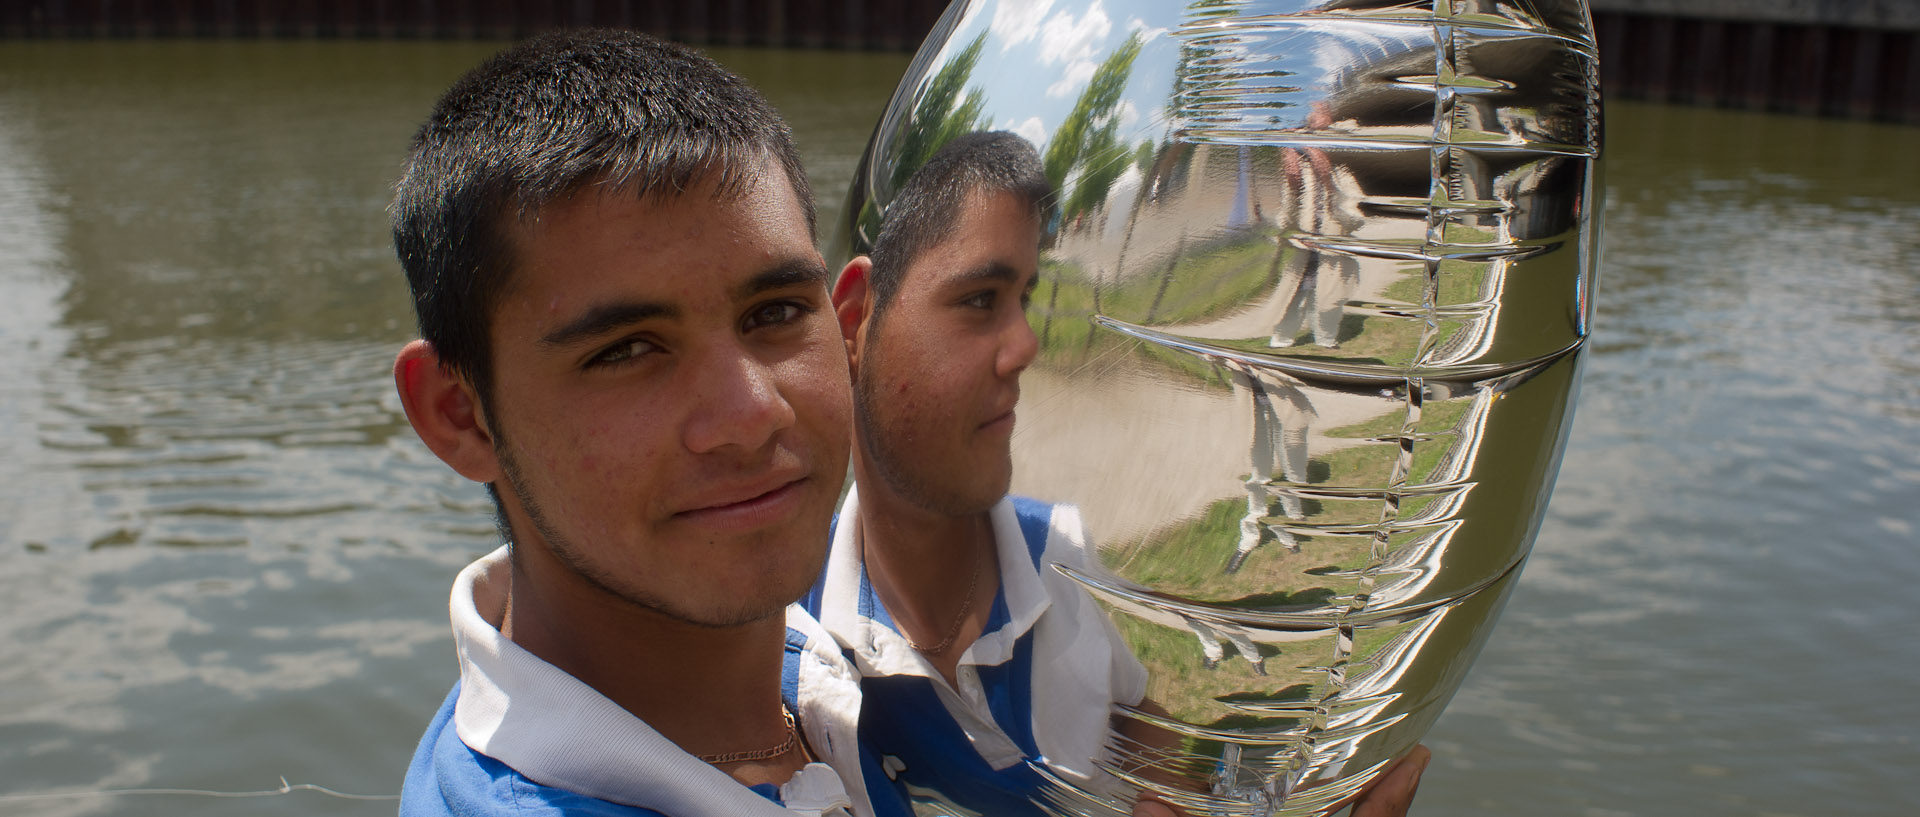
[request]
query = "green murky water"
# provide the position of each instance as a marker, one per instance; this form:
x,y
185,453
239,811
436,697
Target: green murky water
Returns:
x,y
225,558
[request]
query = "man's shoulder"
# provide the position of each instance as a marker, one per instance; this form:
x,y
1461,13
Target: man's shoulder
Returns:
x,y
1027,507
1053,531
449,779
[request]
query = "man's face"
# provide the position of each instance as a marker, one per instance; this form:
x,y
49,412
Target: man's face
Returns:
x,y
939,375
670,399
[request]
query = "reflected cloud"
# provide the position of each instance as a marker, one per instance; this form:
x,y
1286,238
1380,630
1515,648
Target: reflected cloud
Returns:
x,y
1073,39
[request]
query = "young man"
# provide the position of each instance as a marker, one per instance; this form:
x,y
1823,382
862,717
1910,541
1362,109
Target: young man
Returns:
x,y
937,583
981,663
626,333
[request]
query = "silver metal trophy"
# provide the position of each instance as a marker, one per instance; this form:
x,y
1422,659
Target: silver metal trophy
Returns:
x,y
1312,292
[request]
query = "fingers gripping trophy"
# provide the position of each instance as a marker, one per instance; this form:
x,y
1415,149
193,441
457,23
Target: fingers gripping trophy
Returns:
x,y
1267,319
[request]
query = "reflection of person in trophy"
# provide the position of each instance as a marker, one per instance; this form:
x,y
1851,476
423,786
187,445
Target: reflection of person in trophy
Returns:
x,y
1235,635
982,665
1325,200
1282,417
978,658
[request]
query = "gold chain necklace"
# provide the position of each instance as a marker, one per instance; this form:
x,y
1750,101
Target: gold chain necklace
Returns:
x,y
768,753
966,606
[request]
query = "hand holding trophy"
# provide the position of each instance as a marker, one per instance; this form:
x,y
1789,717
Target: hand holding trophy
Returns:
x,y
1291,297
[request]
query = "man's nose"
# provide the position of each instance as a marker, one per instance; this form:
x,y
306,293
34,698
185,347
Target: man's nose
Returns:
x,y
1018,346
738,403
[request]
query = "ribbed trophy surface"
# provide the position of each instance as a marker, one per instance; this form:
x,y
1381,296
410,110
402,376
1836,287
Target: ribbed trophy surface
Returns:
x,y
1311,302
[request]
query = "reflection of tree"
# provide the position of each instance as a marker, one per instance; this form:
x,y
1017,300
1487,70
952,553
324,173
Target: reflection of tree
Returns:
x,y
1207,75
942,114
1088,140
1087,146
1189,82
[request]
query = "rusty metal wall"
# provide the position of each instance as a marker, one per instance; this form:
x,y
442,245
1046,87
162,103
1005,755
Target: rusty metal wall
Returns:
x,y
855,24
1770,62
1862,73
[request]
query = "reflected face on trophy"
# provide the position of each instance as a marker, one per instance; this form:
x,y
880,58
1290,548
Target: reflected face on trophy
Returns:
x,y
938,373
938,350
939,580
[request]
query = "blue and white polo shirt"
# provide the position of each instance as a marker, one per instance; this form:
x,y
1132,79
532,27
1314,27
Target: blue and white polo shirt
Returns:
x,y
520,736
1034,692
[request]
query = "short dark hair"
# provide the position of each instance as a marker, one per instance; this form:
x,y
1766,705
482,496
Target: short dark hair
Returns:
x,y
929,204
542,120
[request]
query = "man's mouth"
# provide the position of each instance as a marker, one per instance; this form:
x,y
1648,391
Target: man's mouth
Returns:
x,y
748,506
1003,422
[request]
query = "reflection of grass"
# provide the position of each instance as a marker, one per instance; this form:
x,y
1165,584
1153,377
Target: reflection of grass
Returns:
x,y
1211,282
1456,283
1190,558
1207,284
1373,464
1459,282
1084,344
1193,692
1296,673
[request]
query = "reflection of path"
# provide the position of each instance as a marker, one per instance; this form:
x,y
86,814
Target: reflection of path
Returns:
x,y
1193,213
1137,448
1133,449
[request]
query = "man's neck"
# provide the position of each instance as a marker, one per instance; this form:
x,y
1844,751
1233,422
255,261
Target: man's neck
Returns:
x,y
709,690
936,573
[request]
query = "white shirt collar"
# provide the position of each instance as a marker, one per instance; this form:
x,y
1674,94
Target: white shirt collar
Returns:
x,y
559,732
1080,668
879,649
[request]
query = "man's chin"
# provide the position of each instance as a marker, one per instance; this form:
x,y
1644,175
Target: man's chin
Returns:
x,y
990,485
726,619
737,604
765,593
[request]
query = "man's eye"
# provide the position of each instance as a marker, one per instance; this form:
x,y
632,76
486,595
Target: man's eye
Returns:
x,y
980,300
623,352
774,313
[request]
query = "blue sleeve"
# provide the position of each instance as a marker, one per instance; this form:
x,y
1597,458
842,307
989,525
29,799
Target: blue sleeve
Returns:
x,y
1036,521
449,779
815,597
420,794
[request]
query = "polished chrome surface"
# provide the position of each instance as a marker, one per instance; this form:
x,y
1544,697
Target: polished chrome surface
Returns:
x,y
1312,310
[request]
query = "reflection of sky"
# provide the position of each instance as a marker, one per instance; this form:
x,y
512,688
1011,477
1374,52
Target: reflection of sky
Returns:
x,y
1060,44
1040,57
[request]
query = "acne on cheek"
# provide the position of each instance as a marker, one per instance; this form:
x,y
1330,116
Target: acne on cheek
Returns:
x,y
585,462
903,397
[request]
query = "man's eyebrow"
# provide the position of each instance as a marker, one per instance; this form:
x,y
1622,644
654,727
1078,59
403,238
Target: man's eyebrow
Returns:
x,y
605,318
610,316
789,273
989,271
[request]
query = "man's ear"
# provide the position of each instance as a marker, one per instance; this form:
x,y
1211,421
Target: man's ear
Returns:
x,y
853,305
445,412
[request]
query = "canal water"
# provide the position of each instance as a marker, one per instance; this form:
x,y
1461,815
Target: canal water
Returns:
x,y
224,558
